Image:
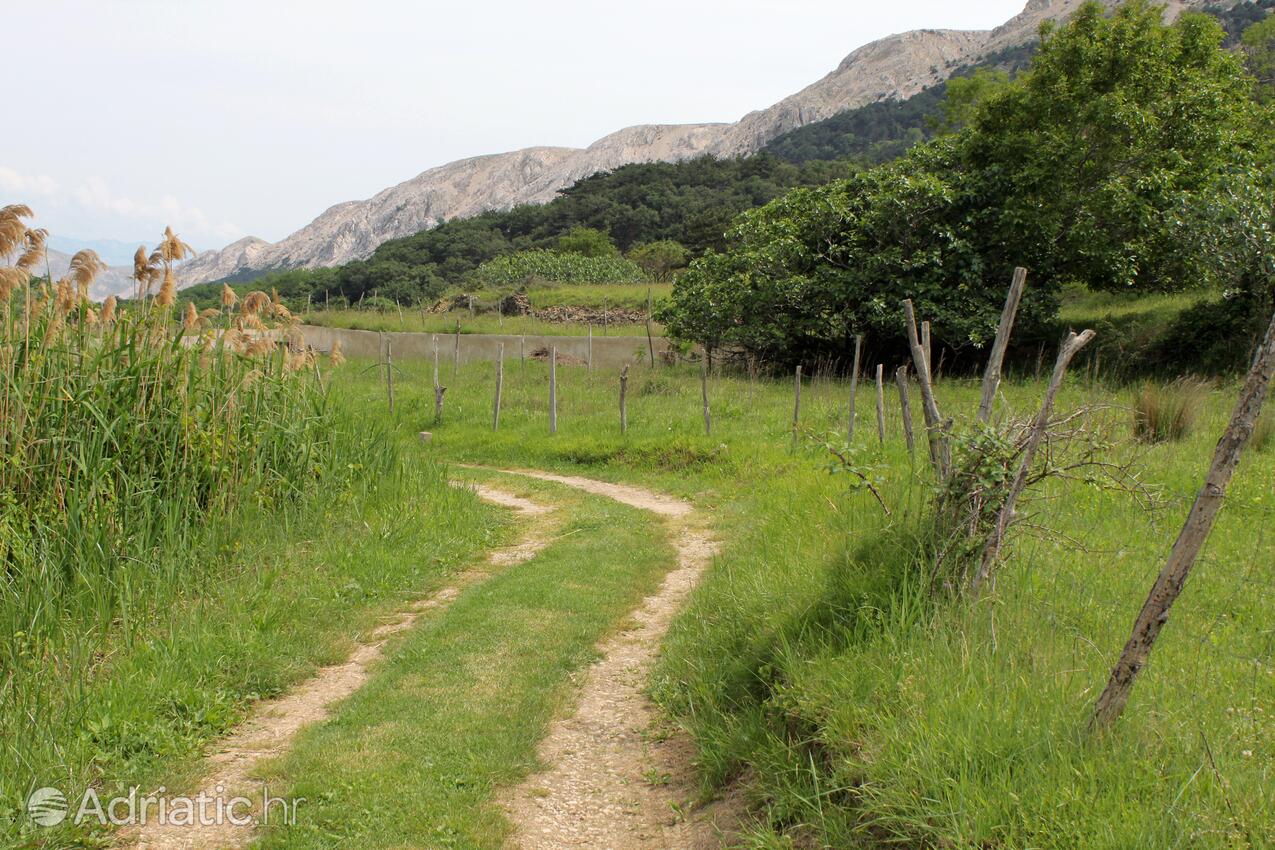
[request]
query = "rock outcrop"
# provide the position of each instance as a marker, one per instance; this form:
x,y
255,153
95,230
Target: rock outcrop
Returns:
x,y
896,67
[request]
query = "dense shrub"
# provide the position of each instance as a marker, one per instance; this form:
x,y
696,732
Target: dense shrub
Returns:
x,y
553,267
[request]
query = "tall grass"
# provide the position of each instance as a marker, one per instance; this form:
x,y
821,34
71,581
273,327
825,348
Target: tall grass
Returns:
x,y
124,435
1168,412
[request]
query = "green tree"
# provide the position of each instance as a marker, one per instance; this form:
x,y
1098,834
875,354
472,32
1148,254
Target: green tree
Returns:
x,y
964,95
660,259
1114,162
587,242
1259,52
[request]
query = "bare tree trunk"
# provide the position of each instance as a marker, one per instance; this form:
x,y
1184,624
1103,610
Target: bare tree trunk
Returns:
x,y
624,403
500,387
940,452
881,403
1199,522
992,377
987,562
854,386
553,390
901,378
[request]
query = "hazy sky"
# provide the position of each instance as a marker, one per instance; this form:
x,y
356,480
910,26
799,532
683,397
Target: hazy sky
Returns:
x,y
253,116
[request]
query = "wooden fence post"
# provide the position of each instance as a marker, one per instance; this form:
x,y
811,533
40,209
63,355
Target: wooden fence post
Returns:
x,y
992,377
703,383
1199,522
796,406
522,352
650,343
589,357
929,351
1073,344
901,378
854,386
881,403
605,323
940,451
389,371
624,396
500,387
553,390
456,356
438,389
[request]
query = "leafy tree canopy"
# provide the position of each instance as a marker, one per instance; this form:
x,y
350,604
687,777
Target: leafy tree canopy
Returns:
x,y
1115,161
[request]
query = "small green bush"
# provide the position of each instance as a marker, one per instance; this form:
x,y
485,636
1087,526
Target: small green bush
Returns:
x,y
1168,412
1264,432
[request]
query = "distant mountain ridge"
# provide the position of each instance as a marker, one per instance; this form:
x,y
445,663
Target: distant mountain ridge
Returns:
x,y
895,67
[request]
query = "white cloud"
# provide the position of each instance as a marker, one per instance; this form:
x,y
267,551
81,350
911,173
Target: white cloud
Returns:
x,y
27,187
93,205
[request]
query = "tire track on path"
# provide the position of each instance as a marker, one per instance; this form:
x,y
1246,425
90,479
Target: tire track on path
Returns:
x,y
273,724
613,781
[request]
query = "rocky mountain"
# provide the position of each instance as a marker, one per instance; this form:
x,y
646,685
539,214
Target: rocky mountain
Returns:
x,y
896,67
114,281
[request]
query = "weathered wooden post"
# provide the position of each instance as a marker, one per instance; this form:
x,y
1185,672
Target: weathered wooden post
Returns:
x,y
854,386
389,371
456,356
992,377
1070,346
901,378
500,387
703,384
940,451
1195,531
553,390
929,352
438,389
796,405
650,342
624,396
881,403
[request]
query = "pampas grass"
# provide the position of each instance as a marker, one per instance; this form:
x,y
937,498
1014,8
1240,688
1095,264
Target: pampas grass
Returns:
x,y
117,443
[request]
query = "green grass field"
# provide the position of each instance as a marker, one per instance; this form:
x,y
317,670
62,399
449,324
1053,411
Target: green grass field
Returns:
x,y
859,709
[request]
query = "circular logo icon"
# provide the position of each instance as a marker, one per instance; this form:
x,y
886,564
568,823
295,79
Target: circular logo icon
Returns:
x,y
47,806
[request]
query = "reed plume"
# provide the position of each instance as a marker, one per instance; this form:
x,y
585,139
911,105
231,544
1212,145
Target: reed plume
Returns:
x,y
85,266
108,310
145,271
173,250
168,289
10,279
335,355
191,320
33,251
228,296
254,302
13,232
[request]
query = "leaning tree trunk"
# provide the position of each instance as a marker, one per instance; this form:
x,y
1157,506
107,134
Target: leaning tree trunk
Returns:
x,y
1199,522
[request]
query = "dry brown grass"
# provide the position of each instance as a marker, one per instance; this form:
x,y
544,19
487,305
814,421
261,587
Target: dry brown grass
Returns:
x,y
1168,412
